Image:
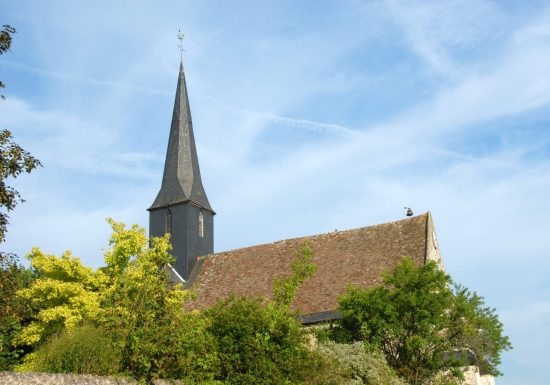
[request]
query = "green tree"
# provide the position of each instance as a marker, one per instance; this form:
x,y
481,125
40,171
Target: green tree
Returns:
x,y
5,44
424,324
13,159
15,313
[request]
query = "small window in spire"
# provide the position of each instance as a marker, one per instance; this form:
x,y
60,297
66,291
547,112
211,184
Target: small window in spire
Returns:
x,y
201,224
168,222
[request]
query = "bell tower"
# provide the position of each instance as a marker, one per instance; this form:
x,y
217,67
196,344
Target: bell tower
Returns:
x,y
181,207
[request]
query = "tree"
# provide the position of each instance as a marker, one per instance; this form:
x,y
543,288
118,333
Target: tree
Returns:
x,y
13,159
5,43
15,313
65,294
424,324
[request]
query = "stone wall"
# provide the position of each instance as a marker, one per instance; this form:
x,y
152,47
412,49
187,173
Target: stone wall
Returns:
x,y
11,378
472,377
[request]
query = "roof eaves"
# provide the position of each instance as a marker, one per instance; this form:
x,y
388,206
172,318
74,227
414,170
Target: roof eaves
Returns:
x,y
165,205
319,317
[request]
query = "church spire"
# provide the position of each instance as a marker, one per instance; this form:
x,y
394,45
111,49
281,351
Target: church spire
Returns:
x,y
181,181
181,207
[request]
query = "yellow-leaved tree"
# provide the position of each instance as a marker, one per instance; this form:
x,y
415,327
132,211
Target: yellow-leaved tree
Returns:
x,y
66,293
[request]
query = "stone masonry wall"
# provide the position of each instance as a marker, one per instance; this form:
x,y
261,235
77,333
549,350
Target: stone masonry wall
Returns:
x,y
11,378
472,377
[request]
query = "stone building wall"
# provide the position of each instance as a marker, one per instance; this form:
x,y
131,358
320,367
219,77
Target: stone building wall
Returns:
x,y
473,377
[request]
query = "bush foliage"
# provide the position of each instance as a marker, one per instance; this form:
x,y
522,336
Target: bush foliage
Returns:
x,y
360,366
85,349
257,343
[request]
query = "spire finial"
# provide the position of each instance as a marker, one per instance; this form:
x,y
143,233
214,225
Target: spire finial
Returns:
x,y
180,45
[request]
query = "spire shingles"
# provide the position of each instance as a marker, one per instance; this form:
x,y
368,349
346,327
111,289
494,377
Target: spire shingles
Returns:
x,y
181,181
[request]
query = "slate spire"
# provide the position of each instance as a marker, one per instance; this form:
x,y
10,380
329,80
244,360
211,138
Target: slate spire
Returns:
x,y
181,181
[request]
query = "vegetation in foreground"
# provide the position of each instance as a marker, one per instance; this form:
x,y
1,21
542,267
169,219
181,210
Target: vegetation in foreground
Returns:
x,y
125,319
128,320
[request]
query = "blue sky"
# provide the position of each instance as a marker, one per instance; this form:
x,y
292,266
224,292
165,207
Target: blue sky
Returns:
x,y
309,117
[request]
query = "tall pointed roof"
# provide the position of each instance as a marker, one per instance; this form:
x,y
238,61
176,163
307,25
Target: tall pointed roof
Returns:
x,y
181,181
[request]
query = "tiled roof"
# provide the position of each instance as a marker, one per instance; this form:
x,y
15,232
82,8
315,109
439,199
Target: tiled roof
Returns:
x,y
343,258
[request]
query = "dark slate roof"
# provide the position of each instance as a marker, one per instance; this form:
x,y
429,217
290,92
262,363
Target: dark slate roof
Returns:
x,y
181,181
353,257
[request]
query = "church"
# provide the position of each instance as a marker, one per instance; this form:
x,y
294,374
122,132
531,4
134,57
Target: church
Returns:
x,y
342,258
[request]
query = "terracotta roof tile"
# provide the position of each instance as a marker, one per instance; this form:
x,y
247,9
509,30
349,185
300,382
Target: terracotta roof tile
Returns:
x,y
343,258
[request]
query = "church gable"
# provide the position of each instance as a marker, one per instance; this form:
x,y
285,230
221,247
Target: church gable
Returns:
x,y
353,257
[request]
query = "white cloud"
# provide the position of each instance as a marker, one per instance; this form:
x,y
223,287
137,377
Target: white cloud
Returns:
x,y
61,140
434,29
87,81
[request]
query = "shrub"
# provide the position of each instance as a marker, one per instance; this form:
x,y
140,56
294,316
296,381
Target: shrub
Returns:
x,y
257,342
84,350
359,365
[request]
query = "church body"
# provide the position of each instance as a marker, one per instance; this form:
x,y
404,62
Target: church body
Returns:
x,y
342,258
